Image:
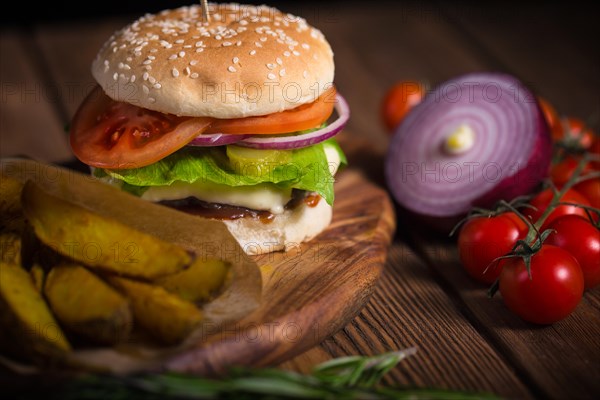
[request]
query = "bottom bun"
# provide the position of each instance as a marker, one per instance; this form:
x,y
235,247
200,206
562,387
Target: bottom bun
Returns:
x,y
284,232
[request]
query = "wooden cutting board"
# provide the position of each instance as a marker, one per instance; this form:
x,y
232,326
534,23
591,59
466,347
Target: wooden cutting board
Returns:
x,y
309,292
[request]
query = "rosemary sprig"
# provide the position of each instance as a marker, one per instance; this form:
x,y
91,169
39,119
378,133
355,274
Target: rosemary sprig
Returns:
x,y
355,377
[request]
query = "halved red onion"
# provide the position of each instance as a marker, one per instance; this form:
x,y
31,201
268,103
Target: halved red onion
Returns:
x,y
472,141
216,139
304,140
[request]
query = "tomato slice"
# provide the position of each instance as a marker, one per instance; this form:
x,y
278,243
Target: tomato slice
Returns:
x,y
306,116
110,134
118,135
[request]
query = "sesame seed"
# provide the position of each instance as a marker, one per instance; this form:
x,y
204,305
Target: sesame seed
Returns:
x,y
305,46
132,79
243,22
129,59
296,53
286,53
115,76
182,54
225,44
279,61
151,58
137,53
151,99
271,76
231,69
194,75
145,89
238,43
106,62
257,44
187,70
153,51
126,67
199,43
146,62
157,85
252,52
282,72
148,67
145,76
187,46
270,66
173,56
152,80
175,72
193,62
179,41
199,50
236,60
263,39
218,37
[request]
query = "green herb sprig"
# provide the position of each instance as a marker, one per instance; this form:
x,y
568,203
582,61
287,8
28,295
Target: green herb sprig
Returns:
x,y
354,377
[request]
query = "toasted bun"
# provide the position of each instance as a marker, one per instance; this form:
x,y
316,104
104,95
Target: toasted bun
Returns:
x,y
246,61
286,231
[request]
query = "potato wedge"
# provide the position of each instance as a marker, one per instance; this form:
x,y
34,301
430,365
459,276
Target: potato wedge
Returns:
x,y
199,281
10,248
98,241
165,316
28,328
87,305
11,214
38,276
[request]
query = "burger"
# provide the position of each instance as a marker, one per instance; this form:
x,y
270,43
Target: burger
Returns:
x,y
228,113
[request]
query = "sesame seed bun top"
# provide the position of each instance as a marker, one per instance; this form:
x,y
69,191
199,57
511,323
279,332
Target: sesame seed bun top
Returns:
x,y
246,61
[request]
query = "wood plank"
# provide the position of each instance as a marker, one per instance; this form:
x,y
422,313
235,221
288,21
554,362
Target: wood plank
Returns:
x,y
409,308
552,48
557,360
29,123
69,51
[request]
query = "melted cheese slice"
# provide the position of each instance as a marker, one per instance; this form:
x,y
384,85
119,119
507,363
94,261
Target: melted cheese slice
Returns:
x,y
264,196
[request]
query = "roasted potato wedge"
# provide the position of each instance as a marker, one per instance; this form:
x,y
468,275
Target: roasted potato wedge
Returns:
x,y
28,327
38,276
199,281
87,305
165,316
10,248
11,214
98,241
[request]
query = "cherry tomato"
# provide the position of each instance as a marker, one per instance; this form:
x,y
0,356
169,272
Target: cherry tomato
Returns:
x,y
542,200
552,118
574,130
582,239
595,149
590,189
553,291
483,239
562,172
398,101
306,116
110,134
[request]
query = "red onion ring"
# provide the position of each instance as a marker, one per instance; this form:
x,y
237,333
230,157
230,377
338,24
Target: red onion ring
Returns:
x,y
216,139
304,140
510,155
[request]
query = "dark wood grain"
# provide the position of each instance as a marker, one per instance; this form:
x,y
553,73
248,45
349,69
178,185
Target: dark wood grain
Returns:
x,y
29,124
556,361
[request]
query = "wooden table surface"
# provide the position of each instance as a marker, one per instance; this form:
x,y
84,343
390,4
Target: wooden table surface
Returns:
x,y
424,298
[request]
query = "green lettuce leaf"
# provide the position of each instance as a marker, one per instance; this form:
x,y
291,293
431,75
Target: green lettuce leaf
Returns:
x,y
305,169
